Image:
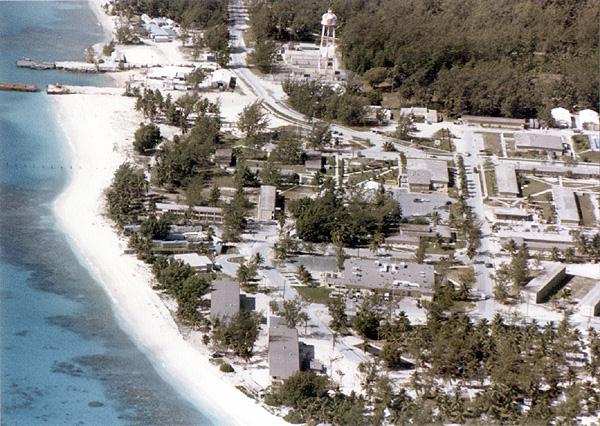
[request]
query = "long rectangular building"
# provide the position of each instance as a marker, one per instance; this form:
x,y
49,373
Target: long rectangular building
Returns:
x,y
538,141
396,277
543,286
266,203
506,180
590,304
565,203
284,349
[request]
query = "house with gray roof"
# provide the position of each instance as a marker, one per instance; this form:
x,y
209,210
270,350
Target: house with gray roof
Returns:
x,y
284,350
224,299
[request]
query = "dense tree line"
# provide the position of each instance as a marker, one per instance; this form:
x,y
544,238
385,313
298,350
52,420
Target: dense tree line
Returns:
x,y
179,280
189,13
125,194
317,100
351,220
485,372
511,57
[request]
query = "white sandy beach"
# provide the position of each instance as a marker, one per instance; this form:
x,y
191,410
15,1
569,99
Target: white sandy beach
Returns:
x,y
99,129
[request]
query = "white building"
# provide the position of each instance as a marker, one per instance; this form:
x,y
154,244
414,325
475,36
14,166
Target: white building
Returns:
x,y
429,115
561,116
587,119
197,262
506,180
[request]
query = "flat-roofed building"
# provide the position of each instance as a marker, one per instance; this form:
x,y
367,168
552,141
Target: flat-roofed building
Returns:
x,y
203,214
224,299
266,203
396,277
199,263
539,289
561,116
284,349
418,170
587,119
418,180
506,180
590,304
565,204
411,234
538,141
497,122
429,115
511,213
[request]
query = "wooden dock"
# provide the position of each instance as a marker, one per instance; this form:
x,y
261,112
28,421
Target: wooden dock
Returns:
x,y
18,87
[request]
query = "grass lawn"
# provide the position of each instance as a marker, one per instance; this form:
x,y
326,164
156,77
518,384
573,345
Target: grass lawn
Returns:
x,y
591,156
580,286
490,182
314,294
587,210
534,186
491,142
581,143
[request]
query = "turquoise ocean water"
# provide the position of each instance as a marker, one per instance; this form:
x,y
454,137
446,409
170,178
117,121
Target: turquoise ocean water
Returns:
x,y
63,357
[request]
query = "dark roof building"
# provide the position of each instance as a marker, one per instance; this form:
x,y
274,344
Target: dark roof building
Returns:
x,y
284,349
224,299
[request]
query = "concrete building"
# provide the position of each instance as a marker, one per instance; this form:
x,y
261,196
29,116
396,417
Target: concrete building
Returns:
x,y
425,114
565,203
493,122
561,117
587,119
512,214
158,33
421,170
418,180
224,299
200,264
411,234
266,203
506,180
539,289
284,350
590,304
222,79
202,214
538,141
314,161
398,278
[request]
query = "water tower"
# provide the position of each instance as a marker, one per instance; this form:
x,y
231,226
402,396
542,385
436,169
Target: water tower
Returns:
x,y
327,49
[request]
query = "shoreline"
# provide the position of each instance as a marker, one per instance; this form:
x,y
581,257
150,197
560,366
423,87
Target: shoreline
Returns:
x,y
98,131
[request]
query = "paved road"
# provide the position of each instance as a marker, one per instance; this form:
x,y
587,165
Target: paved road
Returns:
x,y
274,98
471,145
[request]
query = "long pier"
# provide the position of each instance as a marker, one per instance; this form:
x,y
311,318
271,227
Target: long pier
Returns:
x,y
18,87
74,66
